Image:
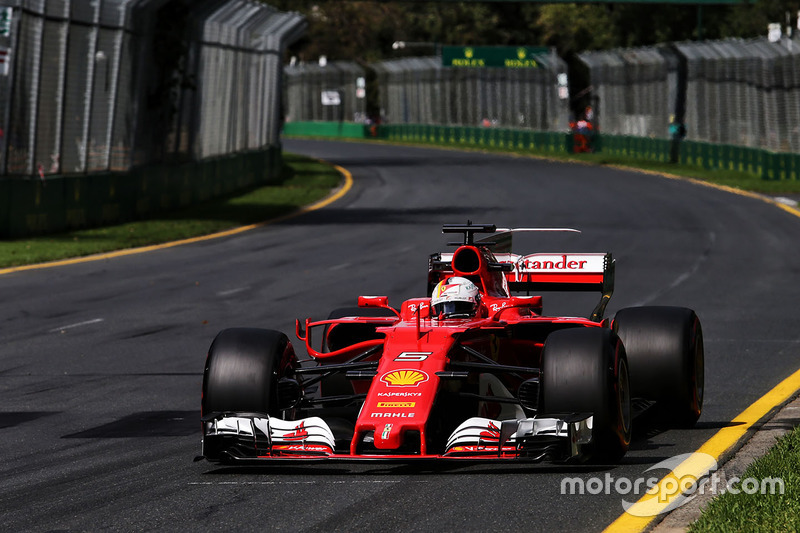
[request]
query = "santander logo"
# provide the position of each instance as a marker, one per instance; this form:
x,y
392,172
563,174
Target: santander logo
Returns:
x,y
553,262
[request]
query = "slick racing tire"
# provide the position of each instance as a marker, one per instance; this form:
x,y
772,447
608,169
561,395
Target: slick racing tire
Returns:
x,y
584,370
242,371
665,358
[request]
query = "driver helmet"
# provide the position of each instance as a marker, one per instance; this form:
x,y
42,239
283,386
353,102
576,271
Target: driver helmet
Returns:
x,y
455,297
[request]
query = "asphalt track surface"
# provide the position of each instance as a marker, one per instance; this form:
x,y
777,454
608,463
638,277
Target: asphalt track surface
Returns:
x,y
101,362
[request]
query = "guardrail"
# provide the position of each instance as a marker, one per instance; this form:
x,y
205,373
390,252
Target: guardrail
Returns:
x,y
111,110
768,165
64,202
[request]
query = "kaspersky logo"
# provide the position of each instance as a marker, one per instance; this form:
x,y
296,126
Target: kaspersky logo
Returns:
x,y
404,378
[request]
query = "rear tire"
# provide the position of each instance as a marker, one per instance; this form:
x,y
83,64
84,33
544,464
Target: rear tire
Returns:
x,y
584,370
242,370
666,359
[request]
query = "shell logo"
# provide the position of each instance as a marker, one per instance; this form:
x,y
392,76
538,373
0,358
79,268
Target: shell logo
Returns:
x,y
404,378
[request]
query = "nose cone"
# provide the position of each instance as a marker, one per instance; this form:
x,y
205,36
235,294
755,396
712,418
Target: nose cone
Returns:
x,y
402,394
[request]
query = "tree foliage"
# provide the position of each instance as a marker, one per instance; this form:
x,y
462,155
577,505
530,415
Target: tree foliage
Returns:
x,y
365,30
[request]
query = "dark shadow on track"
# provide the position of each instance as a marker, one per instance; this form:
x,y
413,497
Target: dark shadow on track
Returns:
x,y
430,468
653,423
8,420
145,424
417,216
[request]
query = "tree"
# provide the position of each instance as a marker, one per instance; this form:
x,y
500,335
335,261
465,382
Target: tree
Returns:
x,y
365,30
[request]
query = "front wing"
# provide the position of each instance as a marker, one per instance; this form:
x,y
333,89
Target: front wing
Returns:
x,y
232,437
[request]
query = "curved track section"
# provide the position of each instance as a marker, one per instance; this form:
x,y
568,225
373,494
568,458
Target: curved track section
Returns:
x,y
101,363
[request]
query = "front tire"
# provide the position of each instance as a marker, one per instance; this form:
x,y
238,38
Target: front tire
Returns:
x,y
242,370
584,370
666,358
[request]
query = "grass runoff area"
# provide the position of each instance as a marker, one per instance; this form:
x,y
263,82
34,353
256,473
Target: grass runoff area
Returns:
x,y
306,180
303,181
757,511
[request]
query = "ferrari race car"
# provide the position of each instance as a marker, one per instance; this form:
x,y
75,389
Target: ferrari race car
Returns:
x,y
475,371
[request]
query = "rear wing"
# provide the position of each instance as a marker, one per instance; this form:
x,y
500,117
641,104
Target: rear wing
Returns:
x,y
584,272
563,272
543,272
559,272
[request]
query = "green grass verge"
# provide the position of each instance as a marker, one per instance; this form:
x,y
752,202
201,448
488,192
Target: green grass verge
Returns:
x,y
304,181
760,512
731,178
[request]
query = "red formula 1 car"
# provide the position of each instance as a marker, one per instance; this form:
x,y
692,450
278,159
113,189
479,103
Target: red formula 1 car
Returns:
x,y
471,372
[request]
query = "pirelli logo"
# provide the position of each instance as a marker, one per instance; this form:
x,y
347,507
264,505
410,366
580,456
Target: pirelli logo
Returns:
x,y
399,405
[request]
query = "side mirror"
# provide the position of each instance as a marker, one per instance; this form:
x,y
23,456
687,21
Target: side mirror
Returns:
x,y
373,301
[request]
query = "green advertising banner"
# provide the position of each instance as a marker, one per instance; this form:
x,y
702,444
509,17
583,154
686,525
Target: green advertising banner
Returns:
x,y
492,56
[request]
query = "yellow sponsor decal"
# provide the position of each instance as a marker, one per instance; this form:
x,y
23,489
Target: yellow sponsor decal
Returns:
x,y
401,405
404,378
